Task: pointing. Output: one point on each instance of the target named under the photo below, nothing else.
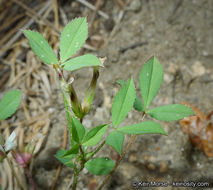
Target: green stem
(97, 150)
(75, 180)
(77, 171)
(121, 158)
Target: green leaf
(78, 130)
(87, 60)
(73, 150)
(171, 112)
(115, 139)
(100, 166)
(66, 160)
(121, 82)
(41, 47)
(146, 127)
(123, 102)
(9, 103)
(137, 104)
(151, 77)
(94, 135)
(73, 37)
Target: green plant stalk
(84, 160)
(76, 170)
(97, 150)
(121, 158)
(75, 180)
(69, 93)
(71, 100)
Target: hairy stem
(77, 171)
(121, 158)
(75, 180)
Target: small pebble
(151, 166)
(198, 69)
(132, 158)
(163, 167)
(135, 5)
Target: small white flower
(10, 144)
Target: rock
(135, 6)
(173, 68)
(163, 167)
(198, 69)
(132, 157)
(168, 78)
(101, 115)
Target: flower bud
(22, 158)
(91, 91)
(76, 105)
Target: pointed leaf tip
(123, 102)
(94, 135)
(73, 37)
(171, 112)
(78, 130)
(151, 77)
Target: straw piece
(89, 5)
(19, 33)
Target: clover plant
(84, 143)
